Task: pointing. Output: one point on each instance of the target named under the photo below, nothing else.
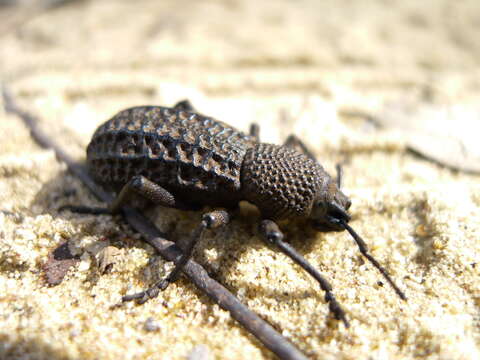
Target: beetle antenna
(364, 250)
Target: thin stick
(167, 249)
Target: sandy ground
(293, 67)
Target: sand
(293, 67)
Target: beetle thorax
(280, 181)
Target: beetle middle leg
(138, 185)
(210, 220)
(272, 234)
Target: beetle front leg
(339, 169)
(211, 220)
(273, 235)
(295, 142)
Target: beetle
(178, 158)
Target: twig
(167, 249)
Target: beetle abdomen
(174, 148)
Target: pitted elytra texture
(280, 181)
(172, 147)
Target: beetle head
(329, 213)
(330, 208)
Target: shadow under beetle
(178, 158)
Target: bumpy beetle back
(180, 150)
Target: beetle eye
(321, 206)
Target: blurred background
(343, 67)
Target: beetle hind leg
(81, 209)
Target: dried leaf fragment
(59, 261)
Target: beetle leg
(297, 144)
(138, 185)
(273, 235)
(255, 131)
(294, 142)
(80, 209)
(210, 220)
(339, 168)
(184, 105)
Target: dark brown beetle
(176, 157)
